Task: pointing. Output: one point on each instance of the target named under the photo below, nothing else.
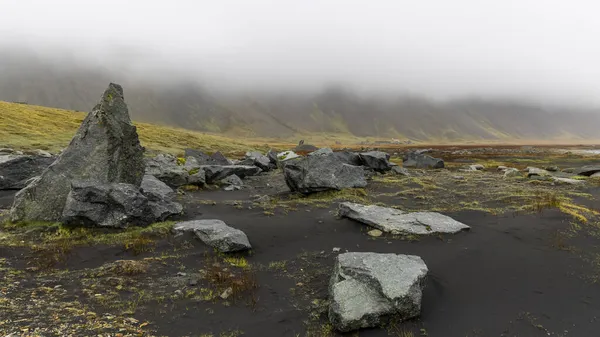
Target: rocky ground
(529, 265)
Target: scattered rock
(312, 174)
(419, 160)
(458, 177)
(214, 173)
(595, 175)
(16, 171)
(368, 288)
(512, 172)
(5, 151)
(215, 233)
(502, 168)
(118, 205)
(105, 148)
(286, 155)
(568, 181)
(551, 168)
(272, 155)
(376, 160)
(476, 167)
(259, 160)
(533, 171)
(587, 170)
(336, 249)
(394, 221)
(232, 180)
(322, 151)
(165, 168)
(349, 158)
(375, 232)
(152, 187)
(202, 158)
(400, 171)
(305, 148)
(226, 293)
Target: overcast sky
(541, 48)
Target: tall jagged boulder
(105, 149)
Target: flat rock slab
(587, 170)
(394, 221)
(368, 288)
(216, 233)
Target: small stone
(178, 293)
(228, 292)
(181, 274)
(375, 233)
(336, 249)
(193, 283)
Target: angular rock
(322, 173)
(512, 172)
(587, 170)
(165, 168)
(305, 148)
(349, 158)
(105, 148)
(376, 160)
(321, 151)
(152, 187)
(259, 160)
(232, 180)
(366, 289)
(476, 167)
(400, 171)
(502, 168)
(272, 157)
(214, 173)
(533, 171)
(118, 205)
(551, 168)
(394, 221)
(420, 160)
(595, 175)
(202, 158)
(286, 155)
(16, 171)
(215, 233)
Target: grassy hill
(26, 126)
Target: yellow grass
(27, 127)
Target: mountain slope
(183, 103)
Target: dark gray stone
(215, 233)
(154, 188)
(214, 173)
(166, 169)
(232, 180)
(420, 160)
(366, 289)
(272, 155)
(106, 148)
(321, 151)
(347, 157)
(17, 171)
(306, 148)
(118, 205)
(216, 158)
(587, 170)
(322, 173)
(376, 160)
(400, 171)
(257, 159)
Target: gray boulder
(367, 289)
(568, 181)
(259, 160)
(533, 171)
(376, 160)
(321, 151)
(400, 171)
(350, 158)
(151, 186)
(232, 180)
(118, 205)
(215, 233)
(105, 148)
(202, 158)
(17, 171)
(587, 170)
(214, 173)
(512, 173)
(165, 168)
(272, 155)
(322, 173)
(394, 221)
(420, 160)
(305, 148)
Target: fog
(537, 49)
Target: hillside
(335, 112)
(25, 126)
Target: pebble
(375, 233)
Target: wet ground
(513, 274)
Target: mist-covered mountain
(181, 102)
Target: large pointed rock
(367, 289)
(394, 221)
(106, 149)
